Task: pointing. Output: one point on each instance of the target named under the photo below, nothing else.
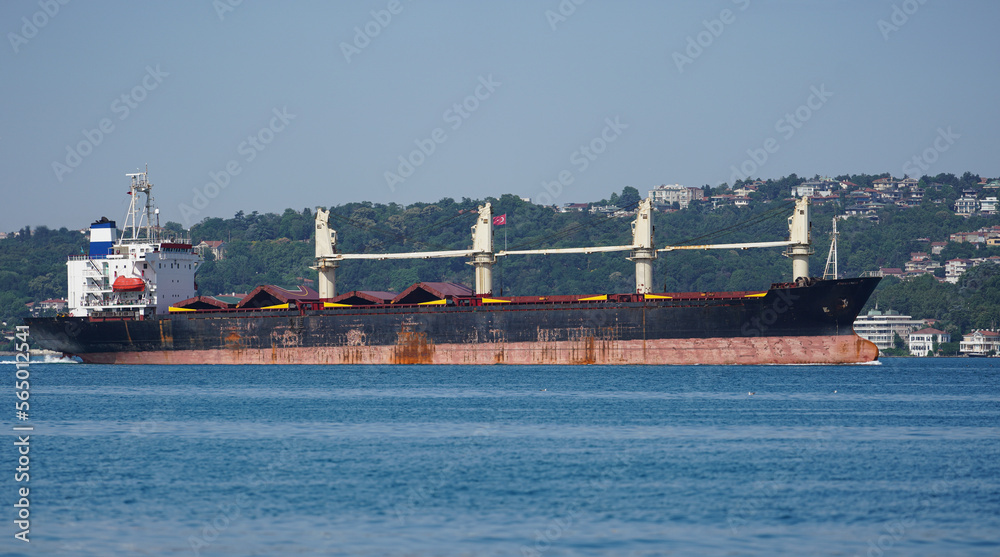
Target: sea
(899, 458)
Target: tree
(33, 264)
(629, 198)
(949, 348)
(174, 227)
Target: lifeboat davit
(128, 284)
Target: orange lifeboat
(128, 284)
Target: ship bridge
(131, 273)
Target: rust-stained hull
(788, 324)
(715, 351)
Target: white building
(954, 268)
(980, 343)
(667, 195)
(216, 247)
(965, 205)
(881, 327)
(988, 205)
(922, 342)
(804, 190)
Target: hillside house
(980, 343)
(892, 272)
(954, 268)
(216, 247)
(988, 205)
(922, 342)
(965, 205)
(976, 237)
(667, 195)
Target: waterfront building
(922, 342)
(980, 343)
(881, 327)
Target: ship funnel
(103, 235)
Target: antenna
(830, 272)
(139, 217)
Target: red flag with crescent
(500, 220)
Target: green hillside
(278, 249)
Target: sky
(262, 106)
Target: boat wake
(46, 359)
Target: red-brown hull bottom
(842, 349)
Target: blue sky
(267, 105)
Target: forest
(272, 248)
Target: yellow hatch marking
(602, 298)
(433, 303)
(658, 297)
(333, 305)
(761, 295)
(495, 301)
(173, 309)
(279, 306)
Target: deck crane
(482, 256)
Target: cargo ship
(133, 300)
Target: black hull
(622, 329)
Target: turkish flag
(500, 220)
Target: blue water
(903, 459)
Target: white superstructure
(135, 274)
